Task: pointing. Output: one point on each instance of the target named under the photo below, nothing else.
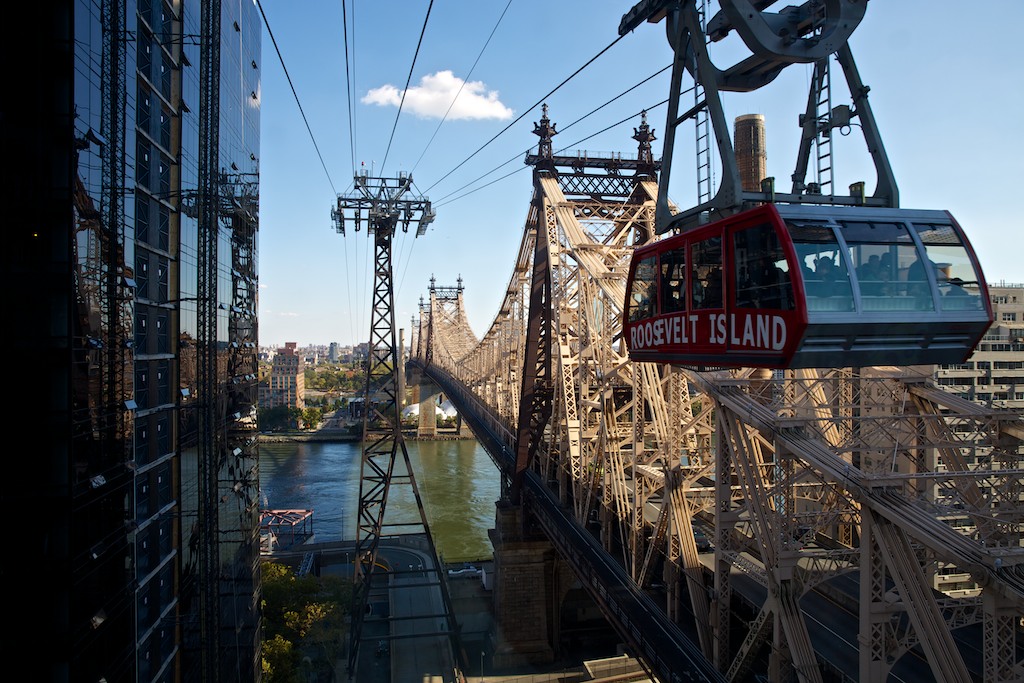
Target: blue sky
(947, 91)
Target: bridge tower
(383, 205)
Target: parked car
(703, 542)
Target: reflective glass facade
(101, 283)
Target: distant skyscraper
(130, 140)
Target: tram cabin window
(761, 273)
(955, 275)
(673, 281)
(706, 273)
(890, 272)
(644, 297)
(823, 266)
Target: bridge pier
(424, 394)
(528, 587)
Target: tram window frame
(956, 273)
(900, 282)
(672, 286)
(642, 304)
(823, 294)
(761, 275)
(706, 277)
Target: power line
(445, 117)
(465, 80)
(520, 117)
(351, 139)
(573, 144)
(295, 94)
(588, 114)
(348, 83)
(406, 90)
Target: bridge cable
(406, 90)
(441, 201)
(466, 80)
(295, 94)
(534, 106)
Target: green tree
(311, 417)
(271, 419)
(280, 661)
(304, 617)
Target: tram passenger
(713, 290)
(825, 276)
(870, 276)
(886, 275)
(917, 282)
(956, 287)
(771, 281)
(806, 270)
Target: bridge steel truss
(804, 475)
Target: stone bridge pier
(425, 394)
(530, 584)
(428, 396)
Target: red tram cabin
(791, 286)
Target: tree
(304, 617)
(311, 417)
(280, 661)
(271, 419)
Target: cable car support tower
(383, 205)
(810, 33)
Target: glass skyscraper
(130, 149)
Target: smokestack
(751, 150)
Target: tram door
(763, 316)
(707, 297)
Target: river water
(458, 484)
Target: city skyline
(939, 112)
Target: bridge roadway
(665, 649)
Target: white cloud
(431, 98)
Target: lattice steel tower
(384, 204)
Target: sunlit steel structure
(809, 480)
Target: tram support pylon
(382, 205)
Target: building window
(1009, 316)
(163, 338)
(162, 274)
(165, 228)
(142, 162)
(142, 331)
(142, 219)
(142, 109)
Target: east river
(457, 481)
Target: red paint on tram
(808, 286)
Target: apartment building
(287, 386)
(994, 374)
